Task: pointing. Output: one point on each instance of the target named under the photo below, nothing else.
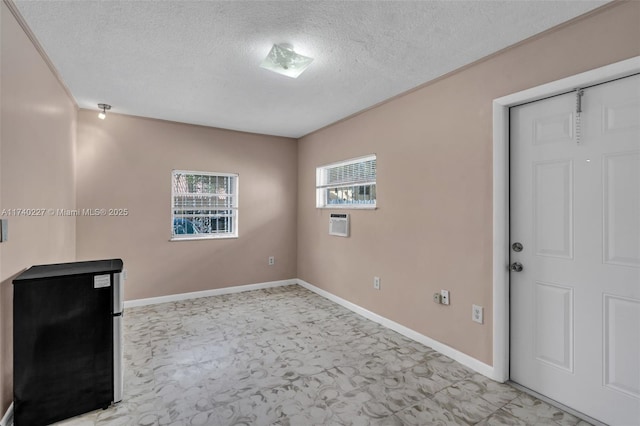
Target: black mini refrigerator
(67, 340)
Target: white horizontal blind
(350, 183)
(204, 204)
(363, 172)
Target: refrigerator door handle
(118, 292)
(118, 371)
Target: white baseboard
(462, 358)
(7, 419)
(206, 293)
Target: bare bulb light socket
(103, 114)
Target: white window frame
(321, 185)
(234, 207)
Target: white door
(575, 209)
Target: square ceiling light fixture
(283, 60)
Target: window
(203, 205)
(347, 184)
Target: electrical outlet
(376, 283)
(477, 314)
(437, 298)
(444, 297)
(272, 260)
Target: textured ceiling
(198, 61)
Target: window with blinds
(203, 205)
(347, 184)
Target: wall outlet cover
(437, 298)
(444, 297)
(272, 260)
(477, 314)
(376, 283)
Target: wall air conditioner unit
(339, 224)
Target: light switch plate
(4, 230)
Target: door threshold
(556, 404)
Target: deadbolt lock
(517, 247)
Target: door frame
(501, 107)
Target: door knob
(515, 267)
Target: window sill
(350, 206)
(208, 237)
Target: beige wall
(37, 141)
(433, 226)
(126, 162)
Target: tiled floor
(287, 356)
